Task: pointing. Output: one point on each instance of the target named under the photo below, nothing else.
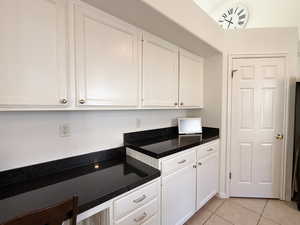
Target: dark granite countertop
(21, 191)
(160, 143)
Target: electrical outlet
(64, 130)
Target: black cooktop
(159, 143)
(94, 182)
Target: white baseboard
(223, 195)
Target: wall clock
(234, 17)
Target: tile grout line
(214, 213)
(253, 211)
(261, 215)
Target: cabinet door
(191, 80)
(107, 59)
(160, 72)
(179, 196)
(207, 179)
(33, 41)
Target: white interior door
(257, 119)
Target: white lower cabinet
(154, 220)
(98, 219)
(132, 201)
(189, 180)
(179, 196)
(141, 215)
(138, 207)
(207, 179)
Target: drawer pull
(209, 150)
(182, 161)
(141, 218)
(140, 199)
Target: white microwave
(189, 126)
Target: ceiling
(263, 13)
(210, 5)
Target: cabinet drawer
(181, 161)
(207, 150)
(141, 215)
(152, 221)
(130, 202)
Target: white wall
(212, 111)
(33, 137)
(187, 14)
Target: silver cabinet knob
(175, 103)
(200, 164)
(181, 103)
(64, 101)
(82, 101)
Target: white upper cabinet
(191, 80)
(107, 65)
(33, 55)
(160, 73)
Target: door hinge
(230, 175)
(232, 73)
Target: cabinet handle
(182, 161)
(209, 150)
(200, 164)
(82, 101)
(141, 218)
(194, 166)
(181, 103)
(175, 103)
(140, 199)
(64, 101)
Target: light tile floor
(243, 211)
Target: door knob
(181, 103)
(175, 103)
(279, 136)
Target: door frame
(286, 97)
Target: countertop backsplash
(29, 138)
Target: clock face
(235, 17)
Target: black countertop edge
(170, 152)
(37, 171)
(159, 143)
